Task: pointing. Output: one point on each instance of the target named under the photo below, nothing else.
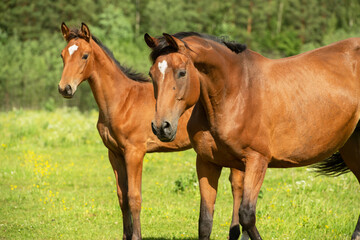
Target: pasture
(56, 183)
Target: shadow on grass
(157, 238)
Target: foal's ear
(150, 41)
(173, 41)
(65, 30)
(85, 30)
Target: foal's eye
(85, 56)
(181, 73)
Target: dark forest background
(31, 41)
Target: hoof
(355, 236)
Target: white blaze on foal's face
(162, 67)
(72, 49)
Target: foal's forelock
(75, 33)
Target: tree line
(31, 42)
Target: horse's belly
(307, 146)
(310, 124)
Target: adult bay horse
(252, 112)
(126, 107)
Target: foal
(126, 106)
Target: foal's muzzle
(165, 132)
(66, 92)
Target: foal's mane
(163, 47)
(138, 77)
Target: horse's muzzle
(66, 92)
(165, 133)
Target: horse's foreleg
(236, 179)
(134, 163)
(350, 153)
(118, 165)
(208, 175)
(255, 169)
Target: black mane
(163, 48)
(76, 33)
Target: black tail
(333, 166)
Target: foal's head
(176, 83)
(77, 57)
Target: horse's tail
(333, 166)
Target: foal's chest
(108, 137)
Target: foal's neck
(110, 86)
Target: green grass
(57, 183)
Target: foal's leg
(118, 165)
(236, 179)
(350, 153)
(255, 169)
(134, 163)
(208, 175)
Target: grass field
(57, 183)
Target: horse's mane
(163, 47)
(76, 33)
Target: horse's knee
(247, 216)
(134, 201)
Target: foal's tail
(333, 166)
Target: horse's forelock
(163, 47)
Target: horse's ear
(85, 30)
(173, 41)
(65, 30)
(150, 41)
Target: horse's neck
(221, 83)
(208, 103)
(110, 86)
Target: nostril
(68, 89)
(166, 124)
(59, 89)
(153, 128)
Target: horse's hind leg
(236, 179)
(118, 165)
(350, 153)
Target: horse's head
(77, 57)
(176, 83)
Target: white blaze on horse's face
(162, 67)
(72, 49)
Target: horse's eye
(85, 56)
(182, 73)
